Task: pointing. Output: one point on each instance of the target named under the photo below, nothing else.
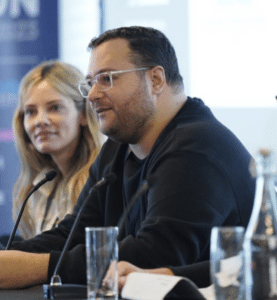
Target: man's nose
(94, 93)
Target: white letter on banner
(31, 8)
(3, 6)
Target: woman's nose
(41, 118)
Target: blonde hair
(64, 78)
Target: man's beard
(132, 125)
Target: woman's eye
(55, 107)
(28, 112)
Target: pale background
(226, 50)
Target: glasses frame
(94, 80)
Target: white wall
(232, 64)
(232, 45)
(79, 23)
(255, 127)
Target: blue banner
(28, 36)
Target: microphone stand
(146, 184)
(48, 177)
(57, 290)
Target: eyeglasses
(103, 80)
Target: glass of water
(227, 262)
(102, 255)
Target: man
(200, 167)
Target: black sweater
(202, 180)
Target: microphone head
(110, 178)
(50, 175)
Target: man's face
(125, 112)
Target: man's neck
(166, 112)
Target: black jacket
(202, 180)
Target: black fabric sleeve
(190, 196)
(199, 273)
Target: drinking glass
(102, 255)
(227, 262)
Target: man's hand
(125, 268)
(22, 269)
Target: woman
(54, 128)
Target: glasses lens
(84, 89)
(104, 81)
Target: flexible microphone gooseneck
(50, 175)
(55, 290)
(146, 184)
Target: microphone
(50, 175)
(55, 290)
(146, 184)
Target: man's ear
(158, 80)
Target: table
(32, 293)
(36, 293)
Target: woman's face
(52, 121)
